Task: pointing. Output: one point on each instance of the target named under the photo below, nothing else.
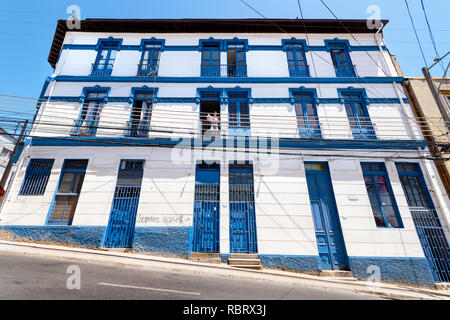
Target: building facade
(231, 136)
(434, 128)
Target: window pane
(66, 183)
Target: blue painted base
(291, 262)
(174, 241)
(413, 271)
(164, 240)
(86, 236)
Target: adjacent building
(291, 141)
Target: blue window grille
(141, 114)
(297, 64)
(122, 219)
(210, 59)
(382, 201)
(358, 116)
(149, 63)
(107, 51)
(87, 122)
(36, 177)
(307, 119)
(236, 62)
(65, 201)
(238, 111)
(426, 220)
(341, 60)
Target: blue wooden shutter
(36, 177)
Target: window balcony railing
(137, 128)
(101, 69)
(299, 70)
(347, 71)
(227, 70)
(84, 128)
(147, 70)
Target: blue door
(358, 116)
(206, 208)
(242, 209)
(330, 242)
(426, 221)
(122, 219)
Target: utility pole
(436, 95)
(9, 165)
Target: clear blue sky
(27, 27)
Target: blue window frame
(107, 51)
(306, 113)
(381, 197)
(149, 63)
(295, 53)
(36, 177)
(66, 197)
(358, 116)
(238, 111)
(339, 51)
(87, 122)
(141, 113)
(210, 58)
(236, 62)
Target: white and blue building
(315, 161)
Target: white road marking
(148, 288)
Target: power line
(431, 34)
(415, 32)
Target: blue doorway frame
(242, 209)
(122, 219)
(428, 226)
(330, 241)
(206, 208)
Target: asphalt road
(38, 277)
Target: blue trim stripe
(198, 47)
(244, 141)
(159, 79)
(255, 100)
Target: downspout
(394, 84)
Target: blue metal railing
(137, 128)
(299, 70)
(101, 69)
(84, 128)
(147, 70)
(227, 70)
(348, 71)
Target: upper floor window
(87, 122)
(358, 116)
(107, 51)
(36, 177)
(236, 63)
(381, 196)
(295, 52)
(141, 114)
(210, 59)
(238, 111)
(340, 56)
(151, 50)
(306, 112)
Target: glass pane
(66, 183)
(78, 183)
(315, 166)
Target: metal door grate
(119, 233)
(206, 218)
(433, 241)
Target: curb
(199, 268)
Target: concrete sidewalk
(390, 291)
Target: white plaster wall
(187, 63)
